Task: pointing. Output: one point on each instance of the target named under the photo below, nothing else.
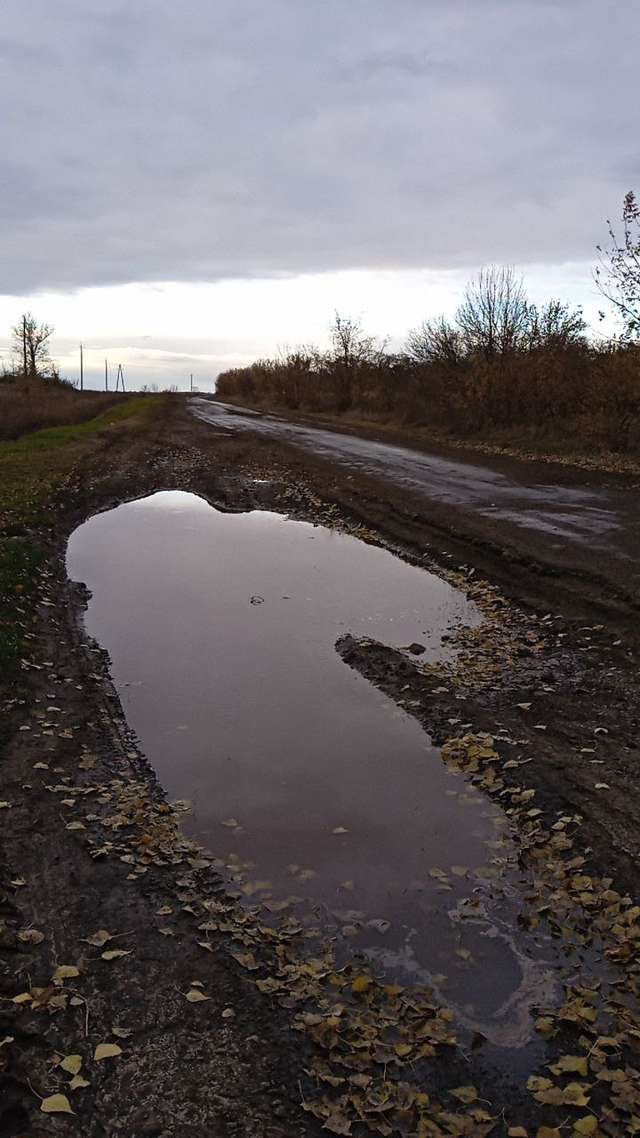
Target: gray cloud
(201, 140)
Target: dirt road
(575, 521)
(541, 714)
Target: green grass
(32, 468)
(20, 560)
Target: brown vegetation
(32, 403)
(502, 368)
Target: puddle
(310, 785)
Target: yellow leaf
(195, 997)
(548, 1132)
(517, 1132)
(65, 972)
(107, 1051)
(23, 998)
(31, 936)
(574, 1094)
(78, 1082)
(465, 1094)
(586, 1125)
(570, 1063)
(56, 1104)
(115, 953)
(361, 984)
(71, 1063)
(99, 938)
(538, 1083)
(402, 1049)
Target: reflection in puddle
(319, 795)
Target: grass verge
(31, 469)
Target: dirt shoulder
(89, 843)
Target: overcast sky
(187, 184)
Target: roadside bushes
(502, 368)
(31, 403)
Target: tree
(618, 274)
(555, 325)
(31, 341)
(436, 341)
(493, 316)
(352, 350)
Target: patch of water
(313, 788)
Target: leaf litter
(371, 1038)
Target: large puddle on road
(315, 790)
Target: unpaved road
(567, 519)
(559, 695)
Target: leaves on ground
(106, 1051)
(56, 1104)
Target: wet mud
(534, 707)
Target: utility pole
(24, 346)
(106, 376)
(191, 382)
(81, 369)
(119, 377)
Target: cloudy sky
(187, 185)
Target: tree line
(502, 365)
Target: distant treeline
(501, 367)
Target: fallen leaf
(465, 1094)
(99, 938)
(71, 1063)
(115, 953)
(121, 1032)
(571, 1063)
(586, 1125)
(339, 830)
(77, 1082)
(66, 972)
(195, 997)
(56, 1104)
(30, 936)
(361, 984)
(232, 823)
(106, 1051)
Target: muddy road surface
(567, 519)
(403, 896)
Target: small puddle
(318, 794)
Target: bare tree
(436, 341)
(351, 345)
(31, 341)
(618, 275)
(494, 313)
(555, 325)
(353, 349)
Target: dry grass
(29, 405)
